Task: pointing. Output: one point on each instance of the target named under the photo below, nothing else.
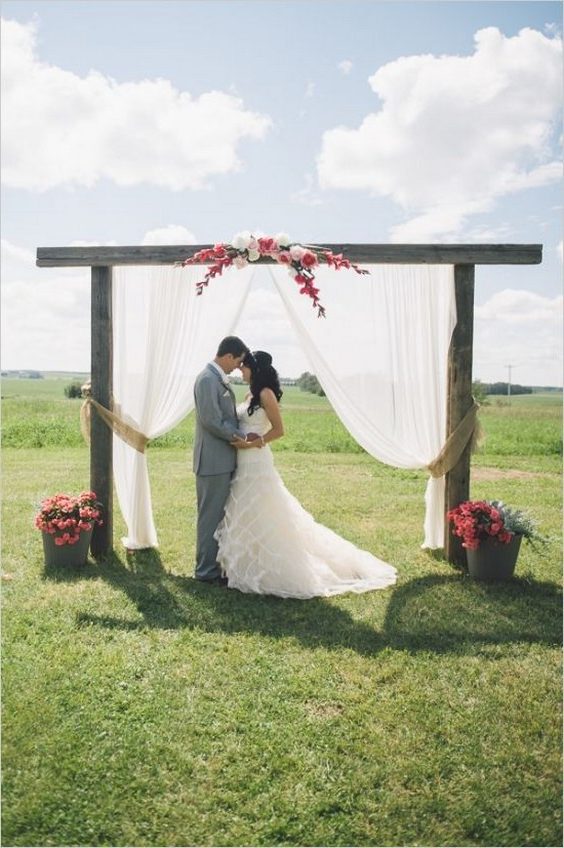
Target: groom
(214, 455)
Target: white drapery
(380, 355)
(163, 336)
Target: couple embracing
(253, 535)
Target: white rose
(253, 255)
(283, 239)
(297, 251)
(241, 240)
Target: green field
(141, 708)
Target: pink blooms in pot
(476, 521)
(65, 517)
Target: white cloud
(345, 66)
(521, 328)
(46, 320)
(518, 306)
(454, 132)
(62, 129)
(171, 234)
(306, 195)
(559, 250)
(18, 254)
(83, 243)
(310, 89)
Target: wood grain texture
(430, 254)
(459, 400)
(101, 436)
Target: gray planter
(493, 561)
(66, 555)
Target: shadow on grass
(438, 613)
(454, 613)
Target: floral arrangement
(300, 259)
(475, 521)
(65, 516)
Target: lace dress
(270, 545)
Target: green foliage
(73, 390)
(309, 383)
(479, 392)
(517, 521)
(503, 389)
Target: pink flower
(309, 259)
(65, 517)
(267, 245)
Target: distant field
(525, 429)
(52, 387)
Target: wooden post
(459, 400)
(101, 441)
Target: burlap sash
(468, 430)
(122, 428)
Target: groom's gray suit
(214, 462)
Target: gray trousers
(212, 491)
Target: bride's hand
(242, 444)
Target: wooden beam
(101, 437)
(430, 254)
(459, 400)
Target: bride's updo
(263, 376)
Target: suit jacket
(216, 424)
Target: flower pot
(493, 561)
(66, 555)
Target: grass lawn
(142, 708)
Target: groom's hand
(248, 442)
(240, 443)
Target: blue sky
(332, 121)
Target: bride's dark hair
(263, 376)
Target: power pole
(509, 367)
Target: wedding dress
(270, 545)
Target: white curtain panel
(381, 357)
(163, 336)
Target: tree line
(309, 383)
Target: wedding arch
(452, 464)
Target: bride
(268, 543)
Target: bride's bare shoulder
(267, 397)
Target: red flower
(475, 521)
(309, 259)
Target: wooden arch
(464, 257)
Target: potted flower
(491, 532)
(66, 523)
